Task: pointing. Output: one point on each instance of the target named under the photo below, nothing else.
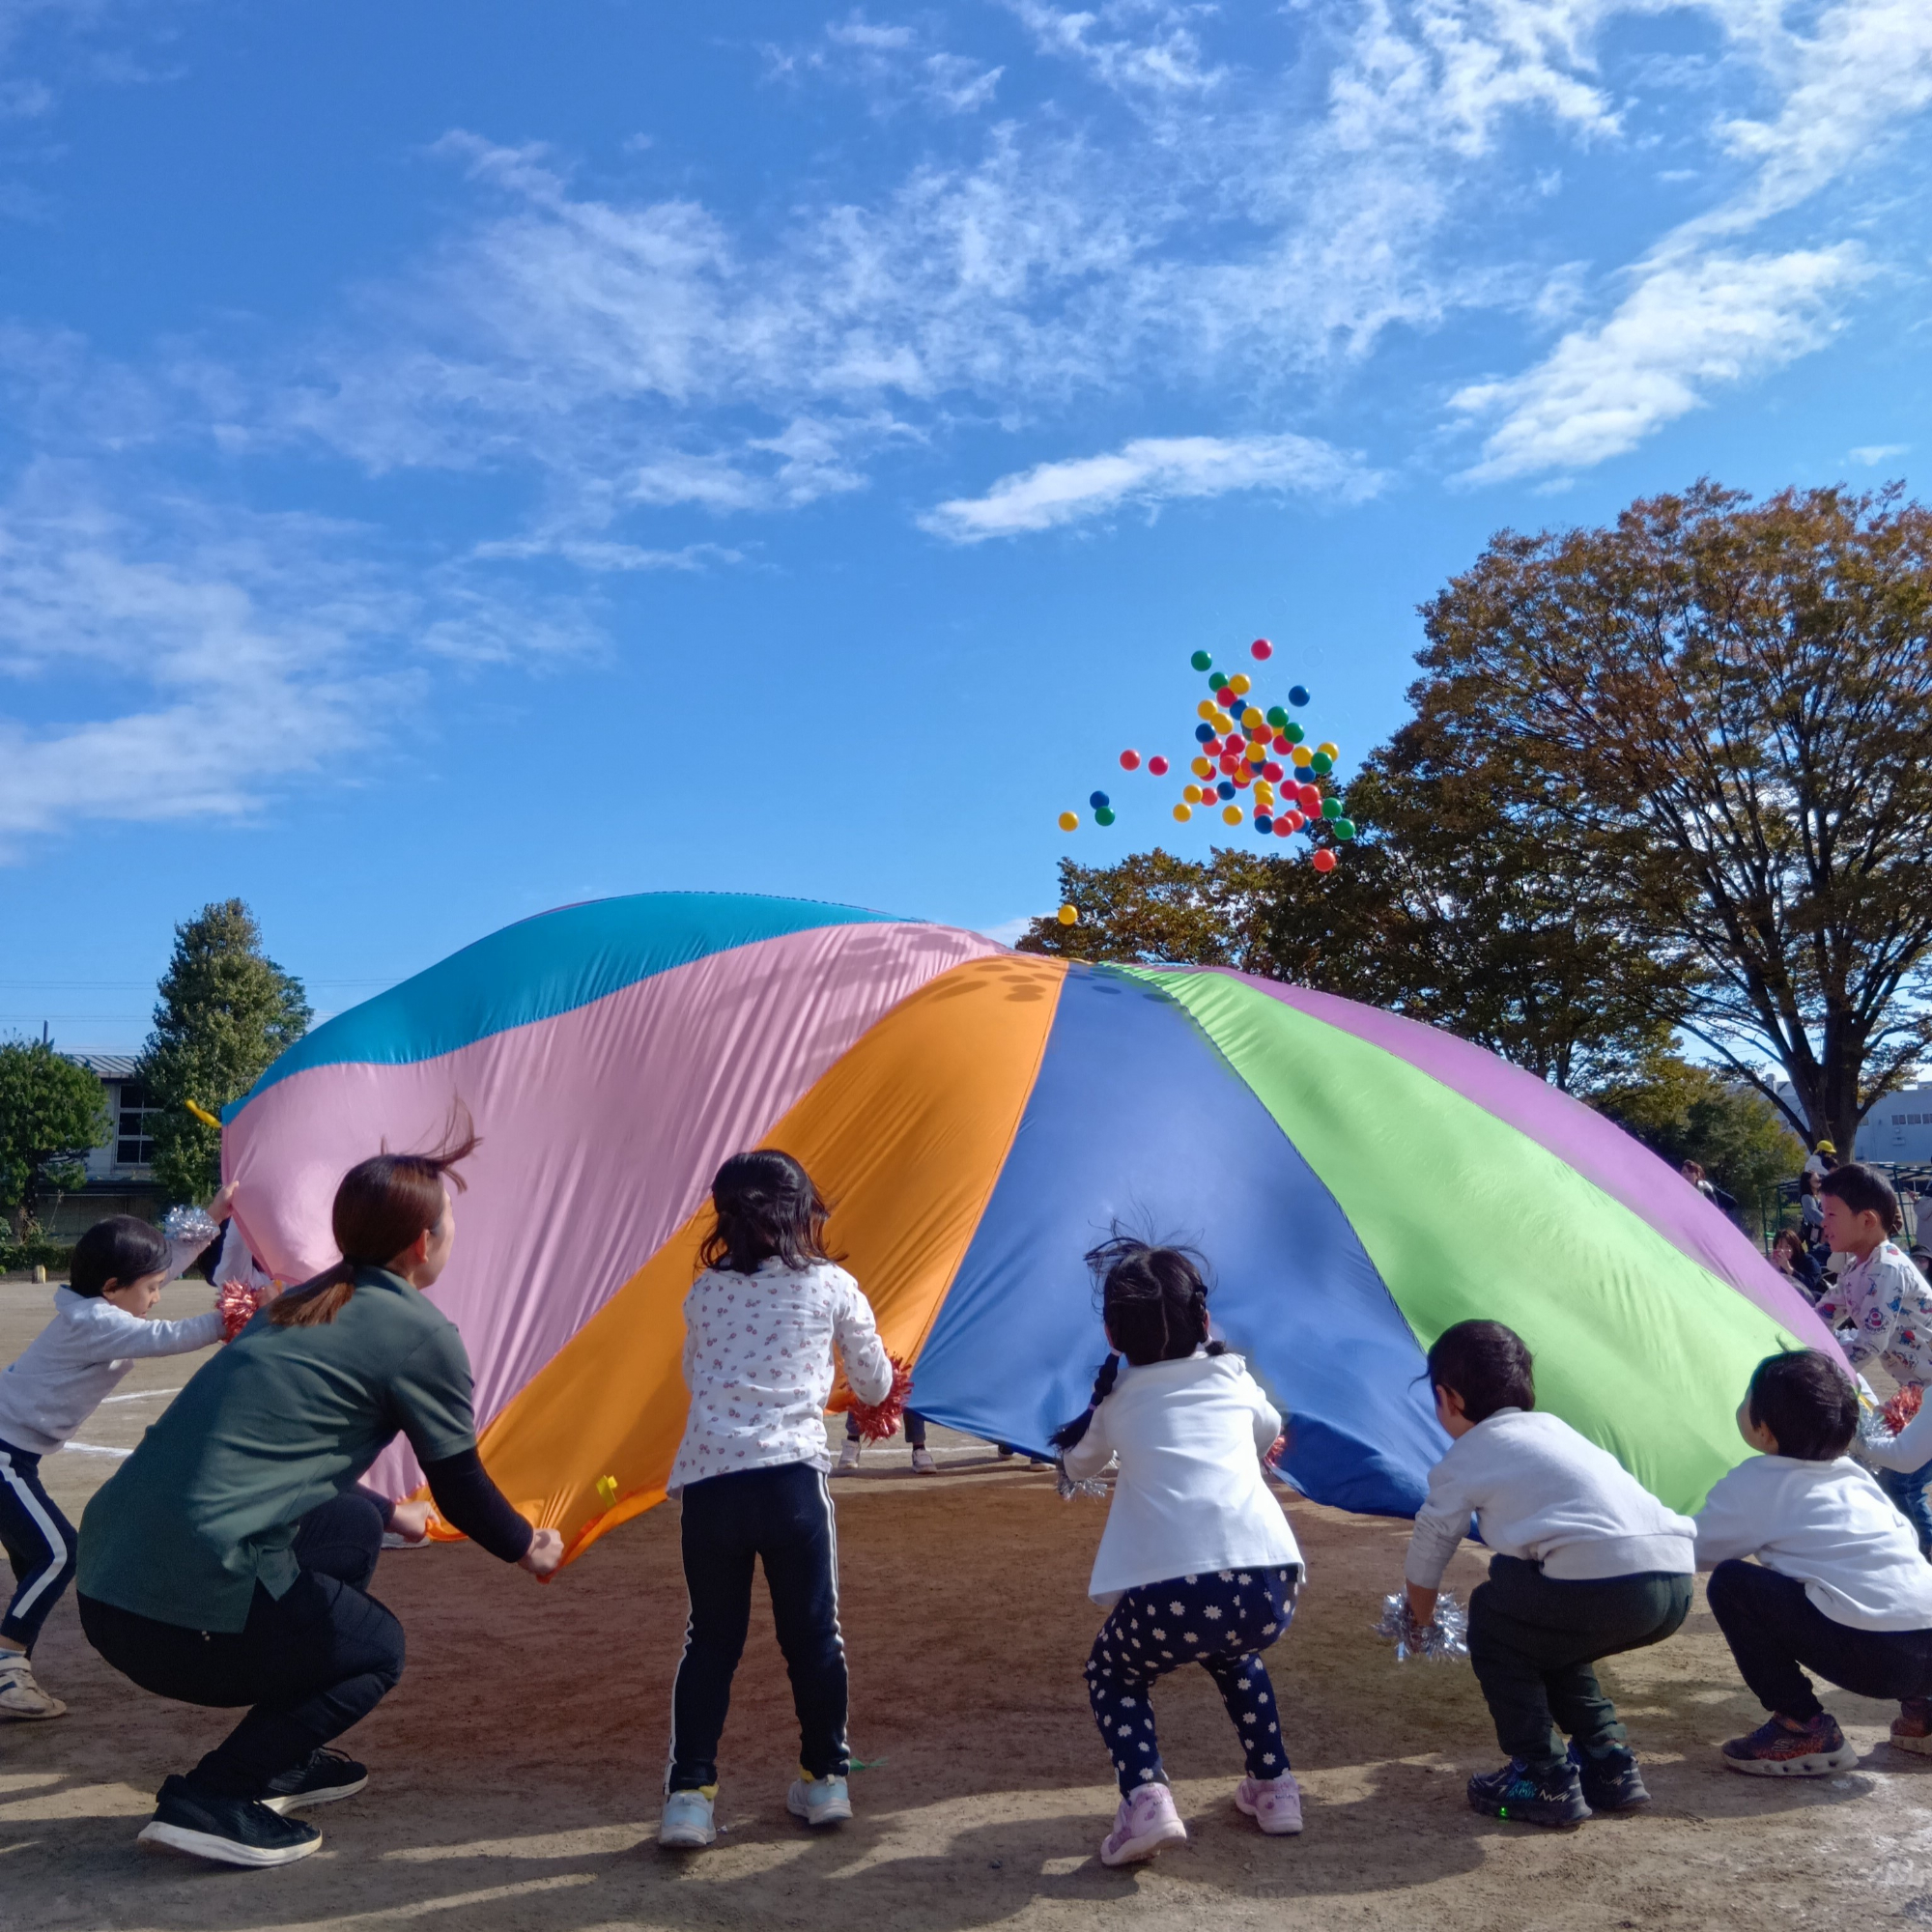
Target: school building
(1899, 1128)
(121, 1172)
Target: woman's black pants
(311, 1661)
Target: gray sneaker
(819, 1801)
(19, 1695)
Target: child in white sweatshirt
(1587, 1563)
(1839, 1588)
(101, 1328)
(1197, 1563)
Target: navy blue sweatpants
(40, 1542)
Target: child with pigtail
(1197, 1564)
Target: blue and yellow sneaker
(1554, 1797)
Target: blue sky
(461, 459)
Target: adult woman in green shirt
(191, 1580)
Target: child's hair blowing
(766, 1207)
(1864, 1192)
(120, 1249)
(1154, 1303)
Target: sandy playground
(515, 1772)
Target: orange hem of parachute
(907, 1134)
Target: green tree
(1718, 713)
(1154, 909)
(1685, 1111)
(225, 1011)
(52, 1115)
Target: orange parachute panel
(905, 1136)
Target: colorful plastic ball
(1069, 915)
(1252, 720)
(1223, 723)
(1257, 755)
(1183, 814)
(1225, 789)
(1130, 761)
(1262, 822)
(1309, 798)
(1262, 649)
(1298, 695)
(1158, 765)
(1240, 780)
(1201, 661)
(1331, 807)
(1273, 772)
(1333, 750)
(1286, 828)
(1204, 731)
(1202, 768)
(1216, 682)
(1343, 828)
(1206, 710)
(1320, 764)
(1293, 732)
(1103, 815)
(1191, 793)
(1231, 814)
(1069, 821)
(1276, 716)
(1099, 801)
(1302, 756)
(1212, 746)
(1238, 683)
(1323, 859)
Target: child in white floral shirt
(761, 1324)
(1885, 1303)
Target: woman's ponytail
(1070, 1433)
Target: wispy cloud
(1871, 454)
(1149, 471)
(896, 63)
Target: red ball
(1130, 761)
(1211, 747)
(1309, 798)
(1230, 763)
(1285, 827)
(1281, 746)
(1233, 741)
(1261, 648)
(1273, 772)
(1323, 859)
(1158, 765)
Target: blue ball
(1298, 694)
(1263, 823)
(1226, 787)
(1099, 801)
(1202, 732)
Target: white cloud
(1688, 324)
(1135, 47)
(894, 63)
(1871, 454)
(1148, 471)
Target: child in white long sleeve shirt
(100, 1329)
(763, 1326)
(1587, 1563)
(1839, 1588)
(1197, 1563)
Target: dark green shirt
(280, 1420)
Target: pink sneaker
(1144, 1823)
(1274, 1804)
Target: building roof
(109, 1065)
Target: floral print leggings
(1222, 1622)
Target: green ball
(1104, 816)
(1293, 732)
(1331, 807)
(1344, 828)
(1219, 678)
(1200, 659)
(1276, 716)
(1321, 764)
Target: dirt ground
(515, 1773)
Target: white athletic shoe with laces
(819, 1801)
(848, 1456)
(19, 1695)
(687, 1822)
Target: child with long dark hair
(1197, 1564)
(762, 1323)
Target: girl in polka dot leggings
(1197, 1564)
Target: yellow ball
(1258, 755)
(1205, 709)
(1303, 755)
(1203, 768)
(1069, 821)
(1191, 793)
(1069, 915)
(1223, 723)
(1238, 683)
(1231, 814)
(1182, 813)
(1330, 751)
(1252, 720)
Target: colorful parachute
(979, 1119)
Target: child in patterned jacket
(1197, 1564)
(1885, 1303)
(761, 1324)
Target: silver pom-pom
(1443, 1639)
(1069, 1489)
(188, 1232)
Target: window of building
(134, 1133)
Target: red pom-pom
(1902, 1407)
(237, 1304)
(878, 1420)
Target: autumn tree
(1720, 713)
(225, 1011)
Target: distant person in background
(1692, 1170)
(1810, 1209)
(1791, 1257)
(923, 1464)
(1824, 1158)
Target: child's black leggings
(782, 1519)
(1776, 1632)
(39, 1544)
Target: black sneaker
(1553, 1798)
(230, 1830)
(326, 1777)
(1612, 1782)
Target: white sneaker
(923, 1464)
(819, 1801)
(686, 1821)
(19, 1695)
(848, 1456)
